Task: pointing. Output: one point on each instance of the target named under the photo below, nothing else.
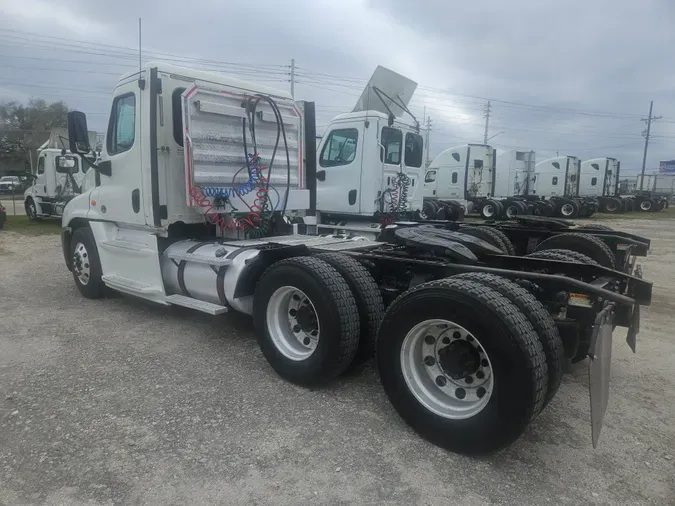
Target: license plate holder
(600, 354)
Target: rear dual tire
(316, 316)
(428, 384)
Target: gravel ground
(119, 402)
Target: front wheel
(462, 365)
(31, 210)
(86, 264)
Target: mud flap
(598, 368)
(634, 327)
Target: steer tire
(570, 256)
(84, 255)
(487, 234)
(368, 301)
(514, 355)
(540, 319)
(336, 312)
(587, 244)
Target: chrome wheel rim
(489, 210)
(81, 266)
(32, 210)
(447, 369)
(292, 323)
(645, 205)
(567, 210)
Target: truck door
(338, 175)
(40, 187)
(121, 195)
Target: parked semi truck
(58, 177)
(208, 196)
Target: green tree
(24, 128)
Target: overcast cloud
(605, 58)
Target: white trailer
(206, 197)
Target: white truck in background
(505, 185)
(457, 179)
(59, 176)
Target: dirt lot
(115, 401)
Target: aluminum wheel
(489, 210)
(292, 323)
(567, 209)
(511, 212)
(645, 205)
(447, 369)
(81, 263)
(31, 210)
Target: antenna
(141, 81)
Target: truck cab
(58, 178)
(463, 173)
(367, 163)
(598, 177)
(514, 171)
(556, 177)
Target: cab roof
(210, 77)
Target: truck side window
(413, 150)
(430, 176)
(122, 127)
(392, 138)
(177, 114)
(595, 166)
(555, 180)
(340, 148)
(556, 165)
(41, 165)
(594, 181)
(454, 177)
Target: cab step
(129, 285)
(199, 305)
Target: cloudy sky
(573, 76)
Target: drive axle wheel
(447, 369)
(462, 365)
(306, 320)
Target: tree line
(24, 128)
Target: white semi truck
(207, 196)
(505, 185)
(59, 176)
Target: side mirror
(66, 164)
(78, 134)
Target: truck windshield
(413, 150)
(340, 148)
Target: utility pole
(648, 120)
(487, 122)
(293, 77)
(427, 141)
